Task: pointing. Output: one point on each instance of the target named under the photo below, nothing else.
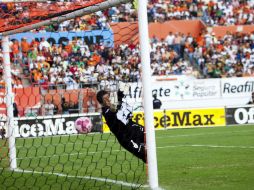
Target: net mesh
(54, 87)
(15, 15)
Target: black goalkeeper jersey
(130, 135)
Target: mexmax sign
(51, 126)
(89, 37)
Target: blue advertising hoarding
(90, 37)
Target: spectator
(252, 99)
(48, 108)
(25, 46)
(156, 102)
(73, 107)
(2, 133)
(44, 44)
(2, 82)
(65, 106)
(15, 109)
(15, 47)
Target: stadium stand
(77, 64)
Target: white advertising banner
(237, 87)
(43, 126)
(187, 93)
(178, 90)
(206, 89)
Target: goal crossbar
(21, 1)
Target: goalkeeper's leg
(136, 143)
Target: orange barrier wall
(31, 98)
(125, 32)
(221, 31)
(28, 97)
(161, 30)
(88, 95)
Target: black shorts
(134, 141)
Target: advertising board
(178, 90)
(89, 37)
(240, 115)
(189, 118)
(51, 125)
(195, 93)
(237, 87)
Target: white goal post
(146, 76)
(9, 102)
(146, 82)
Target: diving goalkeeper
(118, 117)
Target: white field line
(58, 136)
(96, 133)
(166, 136)
(221, 166)
(158, 147)
(200, 134)
(69, 143)
(206, 145)
(72, 154)
(169, 146)
(106, 180)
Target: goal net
(61, 54)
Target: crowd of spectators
(80, 63)
(213, 57)
(228, 56)
(77, 64)
(211, 12)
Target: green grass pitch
(218, 158)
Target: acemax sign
(185, 118)
(51, 126)
(209, 117)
